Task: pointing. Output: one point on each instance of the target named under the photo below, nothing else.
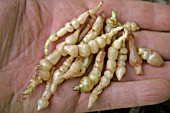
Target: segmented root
(86, 40)
(108, 75)
(88, 82)
(93, 46)
(96, 29)
(58, 74)
(40, 74)
(121, 62)
(119, 44)
(84, 50)
(73, 39)
(134, 59)
(111, 22)
(78, 68)
(70, 26)
(43, 101)
(153, 58)
(87, 28)
(52, 84)
(131, 26)
(116, 51)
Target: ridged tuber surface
(131, 26)
(121, 62)
(134, 59)
(108, 75)
(87, 28)
(111, 22)
(70, 26)
(153, 58)
(43, 101)
(96, 29)
(88, 82)
(86, 40)
(93, 46)
(42, 71)
(78, 68)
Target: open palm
(25, 26)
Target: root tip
(76, 88)
(46, 52)
(138, 70)
(113, 14)
(27, 91)
(101, 2)
(42, 104)
(119, 77)
(38, 108)
(89, 106)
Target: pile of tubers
(94, 38)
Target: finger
(158, 41)
(129, 94)
(149, 72)
(148, 15)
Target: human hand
(25, 28)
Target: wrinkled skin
(25, 26)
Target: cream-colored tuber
(134, 59)
(96, 29)
(70, 26)
(86, 40)
(121, 62)
(111, 22)
(108, 75)
(131, 26)
(43, 101)
(93, 46)
(78, 68)
(153, 58)
(88, 82)
(42, 71)
(87, 28)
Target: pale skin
(25, 27)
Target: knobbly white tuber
(108, 75)
(78, 68)
(58, 74)
(87, 28)
(121, 62)
(131, 26)
(51, 85)
(111, 22)
(93, 46)
(114, 50)
(88, 82)
(42, 71)
(96, 29)
(116, 45)
(70, 26)
(43, 101)
(153, 58)
(86, 40)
